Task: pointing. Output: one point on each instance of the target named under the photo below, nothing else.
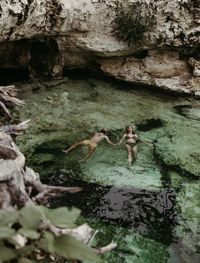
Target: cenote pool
(151, 209)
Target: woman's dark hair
(129, 126)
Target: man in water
(91, 143)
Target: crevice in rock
(78, 73)
(140, 54)
(189, 52)
(93, 70)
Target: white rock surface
(84, 33)
(160, 68)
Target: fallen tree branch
(16, 129)
(8, 98)
(2, 105)
(106, 249)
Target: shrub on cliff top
(195, 3)
(132, 21)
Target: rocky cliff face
(43, 37)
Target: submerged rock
(178, 147)
(110, 166)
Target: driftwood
(8, 98)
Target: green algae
(176, 179)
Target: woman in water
(131, 139)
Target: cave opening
(44, 55)
(10, 75)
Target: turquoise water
(152, 208)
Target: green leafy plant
(37, 231)
(132, 21)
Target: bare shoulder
(96, 134)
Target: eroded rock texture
(44, 37)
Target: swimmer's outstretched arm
(109, 141)
(122, 139)
(148, 143)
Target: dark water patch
(188, 111)
(149, 124)
(50, 148)
(165, 178)
(180, 108)
(150, 213)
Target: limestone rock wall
(46, 36)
